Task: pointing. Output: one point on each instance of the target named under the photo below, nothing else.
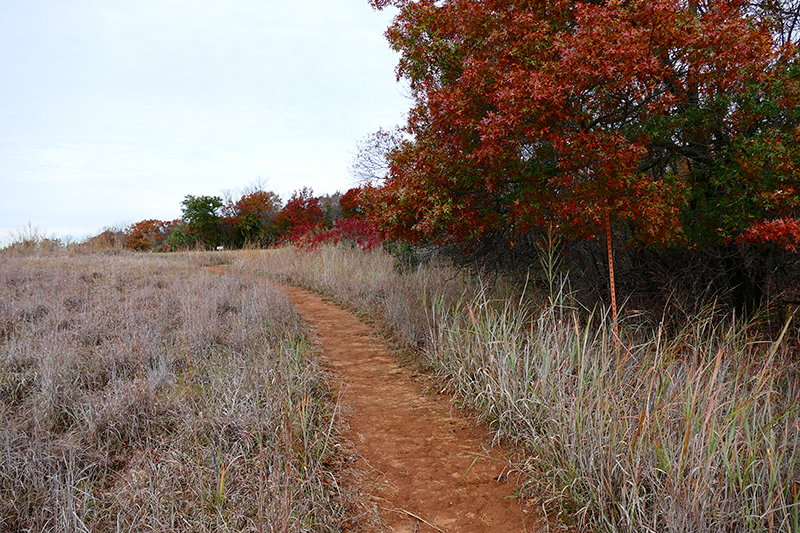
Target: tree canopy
(147, 234)
(202, 217)
(301, 214)
(257, 219)
(253, 216)
(678, 119)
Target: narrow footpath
(417, 464)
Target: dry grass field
(687, 428)
(141, 393)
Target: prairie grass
(693, 430)
(368, 282)
(141, 393)
(696, 432)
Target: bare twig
(412, 515)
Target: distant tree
(253, 216)
(202, 217)
(301, 215)
(180, 238)
(108, 239)
(147, 234)
(331, 208)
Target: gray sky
(111, 111)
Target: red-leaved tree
(351, 203)
(147, 234)
(674, 122)
(300, 217)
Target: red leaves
(355, 231)
(301, 214)
(555, 111)
(783, 232)
(351, 203)
(302, 222)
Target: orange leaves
(783, 232)
(147, 234)
(264, 205)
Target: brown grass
(693, 430)
(140, 393)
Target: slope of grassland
(141, 393)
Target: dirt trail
(417, 462)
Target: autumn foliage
(258, 218)
(253, 217)
(147, 234)
(301, 215)
(351, 203)
(783, 232)
(678, 118)
(357, 232)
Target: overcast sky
(111, 111)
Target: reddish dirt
(414, 461)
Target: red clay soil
(414, 461)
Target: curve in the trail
(420, 464)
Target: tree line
(257, 219)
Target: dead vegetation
(682, 428)
(140, 393)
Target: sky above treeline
(112, 111)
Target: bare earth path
(420, 465)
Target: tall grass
(140, 393)
(369, 282)
(696, 430)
